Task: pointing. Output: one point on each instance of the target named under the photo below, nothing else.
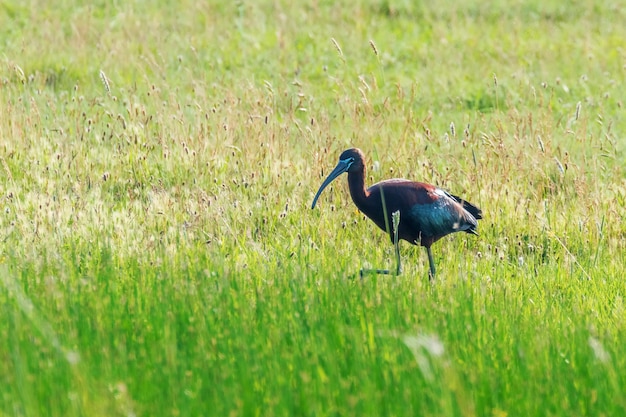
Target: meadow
(158, 253)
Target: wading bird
(427, 213)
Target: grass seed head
(338, 48)
(559, 166)
(105, 82)
(540, 142)
(373, 45)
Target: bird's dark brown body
(427, 213)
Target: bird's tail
(476, 213)
(473, 210)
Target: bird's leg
(396, 242)
(395, 220)
(386, 271)
(399, 269)
(431, 261)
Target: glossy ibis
(427, 213)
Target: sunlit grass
(159, 255)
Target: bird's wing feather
(426, 212)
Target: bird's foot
(363, 272)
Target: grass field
(158, 253)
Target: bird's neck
(356, 182)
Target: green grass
(159, 256)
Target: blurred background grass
(159, 256)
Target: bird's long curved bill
(339, 169)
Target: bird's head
(351, 160)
